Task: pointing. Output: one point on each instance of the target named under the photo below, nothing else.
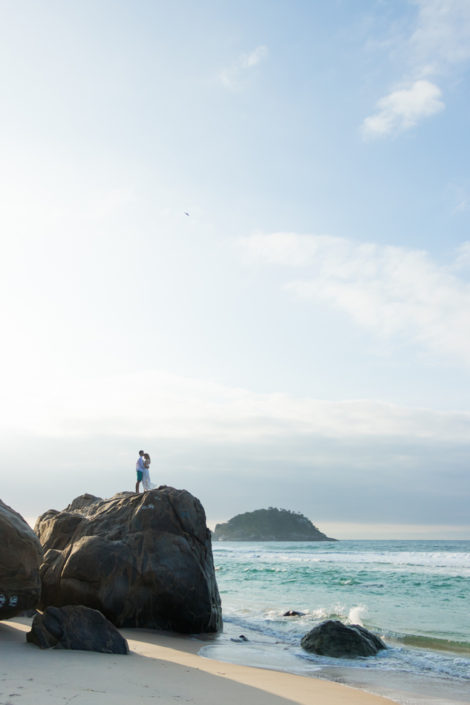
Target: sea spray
(356, 615)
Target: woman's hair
(147, 456)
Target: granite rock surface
(333, 638)
(20, 558)
(76, 627)
(143, 560)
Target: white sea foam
(453, 564)
(395, 658)
(399, 659)
(414, 595)
(357, 614)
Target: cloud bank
(350, 461)
(159, 404)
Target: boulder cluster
(143, 560)
(135, 560)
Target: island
(269, 525)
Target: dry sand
(160, 669)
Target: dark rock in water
(269, 525)
(20, 558)
(242, 638)
(76, 627)
(333, 638)
(143, 560)
(293, 613)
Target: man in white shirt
(139, 466)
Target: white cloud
(234, 76)
(461, 198)
(441, 39)
(439, 43)
(254, 57)
(404, 108)
(156, 404)
(393, 291)
(462, 260)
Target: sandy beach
(160, 668)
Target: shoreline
(161, 667)
(398, 684)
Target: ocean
(414, 594)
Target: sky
(236, 235)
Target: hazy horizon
(237, 235)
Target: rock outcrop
(20, 558)
(269, 525)
(143, 560)
(333, 638)
(76, 627)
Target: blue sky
(301, 338)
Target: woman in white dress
(146, 482)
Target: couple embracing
(143, 475)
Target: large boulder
(333, 638)
(143, 560)
(20, 558)
(76, 627)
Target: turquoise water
(415, 594)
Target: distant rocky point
(269, 525)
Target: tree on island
(270, 524)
